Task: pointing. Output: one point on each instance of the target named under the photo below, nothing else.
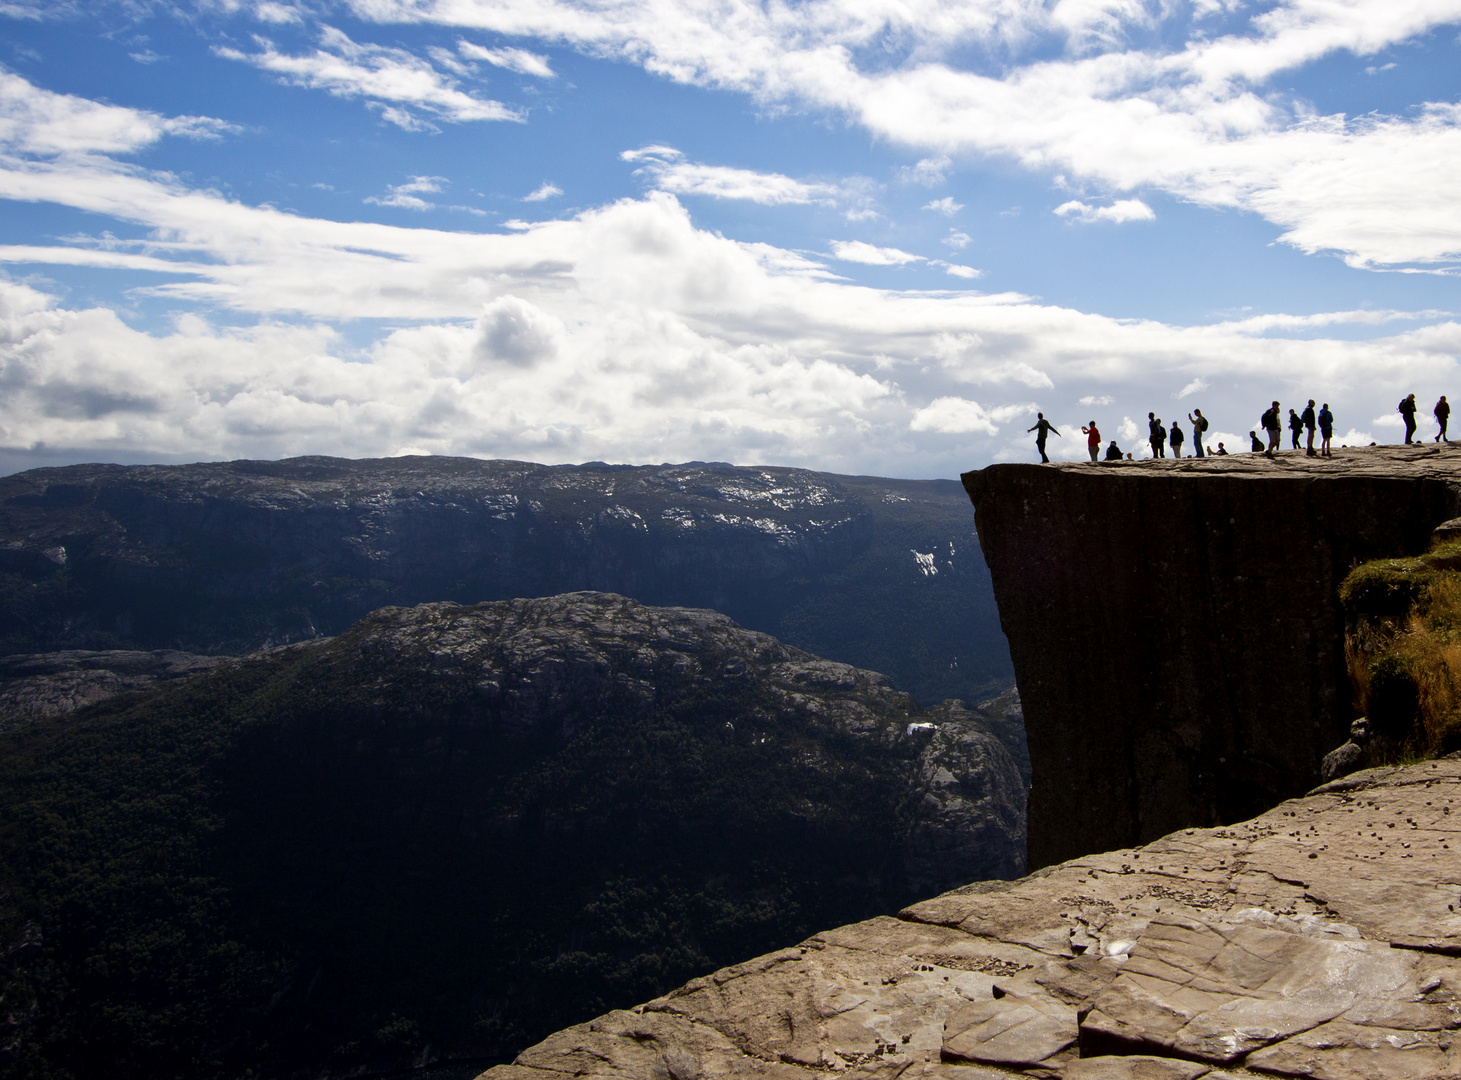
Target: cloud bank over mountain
(630, 327)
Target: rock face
(452, 829)
(1176, 628)
(231, 557)
(1322, 939)
(51, 684)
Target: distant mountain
(231, 557)
(452, 830)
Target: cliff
(1320, 939)
(230, 557)
(1176, 627)
(450, 830)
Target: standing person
(1153, 425)
(1309, 420)
(1443, 413)
(1042, 429)
(1273, 427)
(1326, 430)
(1407, 412)
(1176, 438)
(1295, 426)
(1093, 440)
(1159, 445)
(1199, 425)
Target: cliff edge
(1176, 628)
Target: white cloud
(945, 206)
(1196, 386)
(1204, 117)
(856, 251)
(1118, 212)
(38, 122)
(345, 68)
(958, 240)
(544, 192)
(953, 415)
(930, 171)
(956, 270)
(408, 195)
(1096, 399)
(670, 172)
(518, 60)
(270, 12)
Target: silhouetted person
(1221, 451)
(1199, 425)
(1176, 438)
(1296, 425)
(1443, 414)
(1113, 452)
(1153, 426)
(1326, 430)
(1042, 429)
(1093, 440)
(1257, 443)
(1407, 412)
(1309, 421)
(1273, 428)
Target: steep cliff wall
(1176, 630)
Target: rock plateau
(1321, 939)
(1176, 628)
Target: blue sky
(855, 235)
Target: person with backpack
(1199, 425)
(1443, 414)
(1326, 430)
(1273, 428)
(1406, 409)
(1176, 438)
(1042, 429)
(1159, 443)
(1309, 420)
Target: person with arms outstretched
(1093, 440)
(1042, 429)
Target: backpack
(1203, 421)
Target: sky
(867, 236)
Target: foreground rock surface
(1321, 939)
(1176, 627)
